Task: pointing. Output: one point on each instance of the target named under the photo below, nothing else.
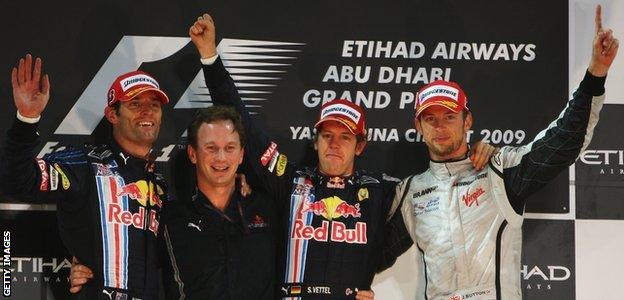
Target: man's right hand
(31, 92)
(202, 34)
(79, 275)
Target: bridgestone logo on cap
(438, 91)
(342, 110)
(136, 80)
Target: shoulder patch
(269, 154)
(365, 179)
(281, 165)
(45, 177)
(67, 156)
(386, 177)
(99, 153)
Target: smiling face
(217, 154)
(137, 122)
(336, 148)
(444, 132)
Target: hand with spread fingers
(79, 275)
(202, 33)
(480, 154)
(31, 91)
(604, 48)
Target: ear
(110, 114)
(359, 147)
(191, 154)
(417, 125)
(468, 122)
(242, 154)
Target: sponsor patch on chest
(426, 206)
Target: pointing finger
(598, 18)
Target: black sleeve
(397, 239)
(262, 155)
(170, 286)
(528, 168)
(54, 177)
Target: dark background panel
(600, 171)
(40, 263)
(548, 260)
(76, 40)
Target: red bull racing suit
(467, 224)
(332, 227)
(108, 207)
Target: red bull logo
(338, 233)
(332, 208)
(117, 215)
(140, 191)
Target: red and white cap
(447, 94)
(346, 112)
(130, 85)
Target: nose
(437, 124)
(220, 155)
(333, 142)
(146, 109)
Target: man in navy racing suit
(109, 196)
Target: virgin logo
(470, 198)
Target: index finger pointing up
(598, 18)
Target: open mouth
(220, 169)
(146, 124)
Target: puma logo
(194, 226)
(109, 294)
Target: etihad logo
(611, 162)
(544, 277)
(603, 157)
(255, 67)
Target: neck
(336, 174)
(136, 150)
(219, 196)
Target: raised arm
(528, 168)
(20, 173)
(262, 155)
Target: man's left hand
(604, 48)
(480, 154)
(365, 295)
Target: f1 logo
(248, 57)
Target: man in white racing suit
(467, 223)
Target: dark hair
(117, 106)
(213, 114)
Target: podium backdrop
(517, 61)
